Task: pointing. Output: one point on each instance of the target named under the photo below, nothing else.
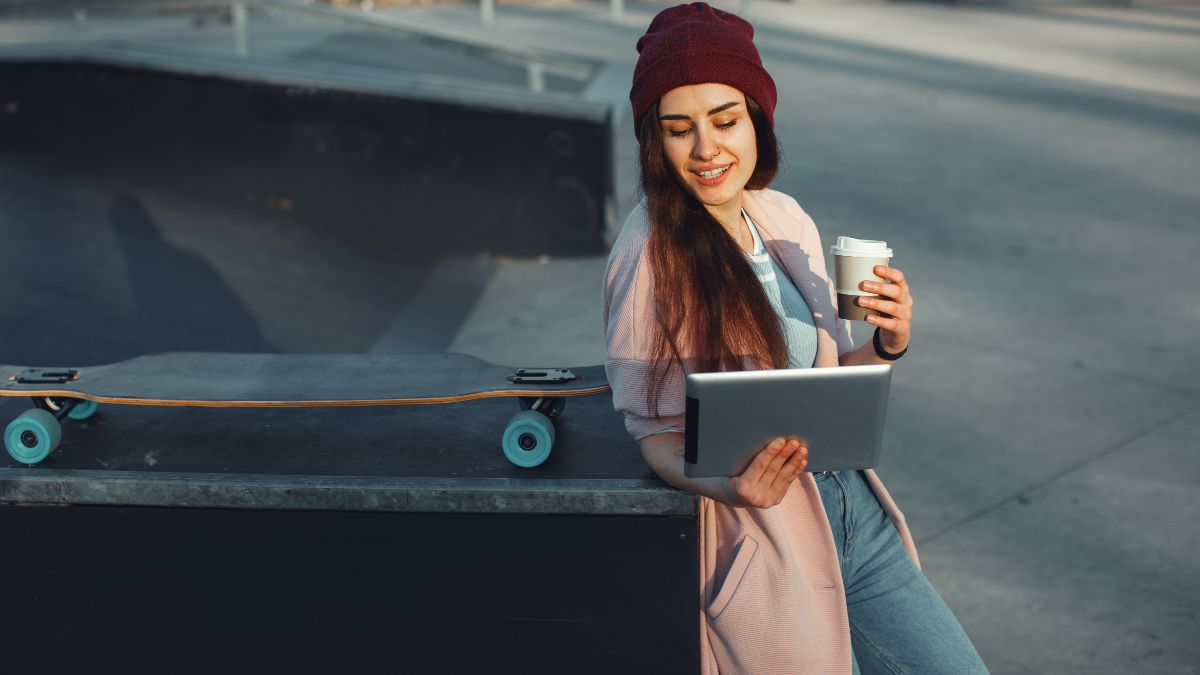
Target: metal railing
(537, 64)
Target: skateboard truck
(543, 376)
(43, 376)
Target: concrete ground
(1034, 167)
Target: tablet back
(840, 412)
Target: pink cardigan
(772, 599)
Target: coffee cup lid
(861, 248)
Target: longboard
(222, 380)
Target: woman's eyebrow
(714, 111)
(723, 107)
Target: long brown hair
(709, 304)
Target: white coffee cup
(854, 262)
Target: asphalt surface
(1034, 167)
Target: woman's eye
(679, 132)
(726, 125)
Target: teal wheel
(528, 438)
(32, 436)
(83, 409)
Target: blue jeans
(898, 623)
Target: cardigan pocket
(737, 571)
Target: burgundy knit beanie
(695, 44)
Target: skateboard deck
(201, 379)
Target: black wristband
(881, 353)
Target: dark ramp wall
(429, 178)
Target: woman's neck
(729, 215)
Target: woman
(712, 271)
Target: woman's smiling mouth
(712, 176)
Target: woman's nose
(705, 147)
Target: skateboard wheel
(82, 410)
(528, 438)
(32, 436)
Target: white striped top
(799, 330)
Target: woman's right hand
(766, 480)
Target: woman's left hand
(895, 308)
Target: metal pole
(241, 28)
(617, 8)
(487, 12)
(537, 79)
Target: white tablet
(840, 412)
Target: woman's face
(709, 141)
